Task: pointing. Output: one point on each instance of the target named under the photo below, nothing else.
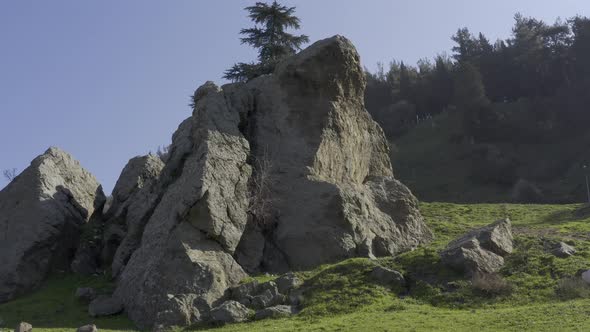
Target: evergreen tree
(269, 36)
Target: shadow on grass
(53, 306)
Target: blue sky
(108, 80)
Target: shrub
(572, 288)
(261, 182)
(491, 284)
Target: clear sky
(107, 80)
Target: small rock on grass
(23, 327)
(87, 328)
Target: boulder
(287, 282)
(329, 193)
(268, 295)
(87, 328)
(563, 250)
(481, 250)
(42, 214)
(85, 294)
(230, 312)
(23, 327)
(105, 306)
(275, 312)
(387, 277)
(586, 276)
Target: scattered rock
(288, 282)
(85, 294)
(41, 214)
(230, 312)
(481, 250)
(243, 293)
(269, 297)
(104, 306)
(275, 312)
(563, 250)
(87, 328)
(387, 277)
(23, 327)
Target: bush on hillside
(491, 284)
(572, 288)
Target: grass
(341, 297)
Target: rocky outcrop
(201, 212)
(114, 236)
(330, 192)
(42, 213)
(481, 250)
(134, 198)
(287, 171)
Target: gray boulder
(563, 250)
(481, 250)
(387, 277)
(42, 213)
(105, 306)
(287, 282)
(23, 327)
(230, 312)
(268, 295)
(275, 312)
(87, 328)
(85, 294)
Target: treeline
(531, 87)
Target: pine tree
(269, 36)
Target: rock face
(41, 215)
(134, 198)
(330, 193)
(114, 236)
(481, 250)
(287, 171)
(199, 217)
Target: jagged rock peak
(41, 215)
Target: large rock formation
(112, 238)
(331, 193)
(41, 215)
(287, 171)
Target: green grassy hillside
(535, 294)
